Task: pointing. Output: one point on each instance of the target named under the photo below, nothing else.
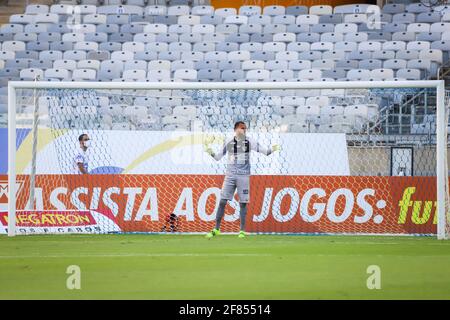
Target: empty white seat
(434, 55)
(310, 74)
(282, 74)
(122, 55)
(144, 37)
(36, 9)
(134, 75)
(260, 20)
(46, 18)
(274, 10)
(89, 64)
(251, 46)
(286, 55)
(179, 29)
(409, 74)
(258, 75)
(322, 46)
(347, 46)
(440, 27)
(324, 64)
(56, 73)
(382, 74)
(182, 64)
(225, 12)
(185, 74)
(308, 110)
(248, 10)
(236, 19)
(355, 18)
(418, 27)
(135, 111)
(21, 19)
(321, 10)
(276, 65)
(202, 10)
(112, 65)
(369, 46)
(155, 10)
(73, 37)
(394, 45)
(284, 37)
(84, 74)
(298, 46)
(309, 19)
(216, 55)
(418, 45)
(31, 73)
(204, 46)
(274, 46)
(394, 64)
(158, 75)
(180, 10)
(86, 46)
(159, 65)
(185, 110)
(121, 126)
(155, 28)
(346, 28)
(133, 47)
(180, 46)
(241, 55)
(65, 64)
(358, 74)
(356, 110)
(331, 110)
(190, 20)
(13, 46)
(157, 46)
(62, 9)
(193, 55)
(284, 19)
(203, 28)
(252, 65)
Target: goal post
(244, 100)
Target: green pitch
(191, 267)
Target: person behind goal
(81, 156)
(237, 174)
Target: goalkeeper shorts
(241, 183)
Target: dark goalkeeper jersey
(238, 151)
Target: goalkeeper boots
(214, 232)
(241, 234)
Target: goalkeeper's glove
(207, 148)
(276, 147)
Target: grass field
(191, 267)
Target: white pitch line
(139, 255)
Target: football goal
(351, 157)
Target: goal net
(354, 158)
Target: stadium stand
(138, 40)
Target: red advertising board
(298, 204)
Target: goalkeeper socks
(243, 214)
(220, 212)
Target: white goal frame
(441, 127)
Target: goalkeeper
(237, 173)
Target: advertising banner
(187, 203)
